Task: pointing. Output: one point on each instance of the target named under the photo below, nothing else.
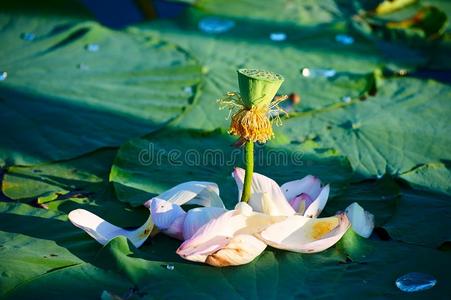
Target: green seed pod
(258, 87)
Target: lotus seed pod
(258, 87)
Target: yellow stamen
(252, 124)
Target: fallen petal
(362, 222)
(317, 206)
(242, 249)
(103, 231)
(211, 237)
(309, 185)
(198, 217)
(193, 192)
(164, 213)
(175, 230)
(306, 235)
(266, 196)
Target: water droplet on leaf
(215, 25)
(188, 90)
(344, 39)
(278, 36)
(28, 36)
(3, 76)
(92, 47)
(346, 99)
(415, 282)
(311, 72)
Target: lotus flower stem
(249, 153)
(251, 110)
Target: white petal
(243, 208)
(175, 230)
(274, 203)
(301, 234)
(103, 231)
(198, 217)
(261, 202)
(317, 206)
(164, 213)
(309, 185)
(362, 222)
(193, 192)
(241, 249)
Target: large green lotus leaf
(41, 248)
(23, 258)
(380, 197)
(407, 215)
(404, 125)
(421, 218)
(248, 45)
(148, 166)
(84, 281)
(416, 34)
(297, 11)
(428, 23)
(75, 183)
(61, 100)
(434, 176)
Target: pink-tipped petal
(316, 207)
(211, 237)
(300, 203)
(228, 239)
(266, 196)
(309, 185)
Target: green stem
(249, 150)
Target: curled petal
(306, 235)
(362, 222)
(211, 237)
(309, 185)
(317, 206)
(198, 217)
(193, 192)
(164, 213)
(266, 195)
(103, 231)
